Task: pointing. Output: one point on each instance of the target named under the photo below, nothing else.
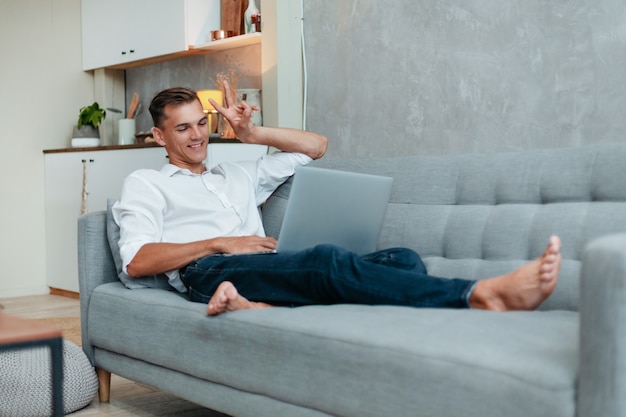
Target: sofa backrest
(481, 215)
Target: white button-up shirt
(175, 205)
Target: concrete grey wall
(396, 77)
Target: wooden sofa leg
(104, 385)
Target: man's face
(184, 134)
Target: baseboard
(64, 293)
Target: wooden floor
(128, 398)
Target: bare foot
(523, 289)
(226, 298)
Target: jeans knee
(409, 256)
(331, 258)
(398, 257)
(328, 250)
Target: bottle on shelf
(249, 26)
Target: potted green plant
(86, 131)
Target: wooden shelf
(213, 139)
(103, 148)
(205, 48)
(229, 43)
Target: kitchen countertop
(133, 146)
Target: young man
(200, 230)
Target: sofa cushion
(337, 359)
(113, 236)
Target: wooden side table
(18, 333)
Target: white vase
(249, 27)
(253, 98)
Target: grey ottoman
(25, 387)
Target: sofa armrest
(602, 377)
(95, 264)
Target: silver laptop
(342, 208)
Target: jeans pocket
(198, 297)
(201, 283)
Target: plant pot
(86, 131)
(85, 137)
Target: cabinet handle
(132, 51)
(123, 52)
(84, 160)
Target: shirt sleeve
(139, 215)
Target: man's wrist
(252, 135)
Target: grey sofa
(475, 216)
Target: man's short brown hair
(172, 96)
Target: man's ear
(157, 134)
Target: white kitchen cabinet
(101, 175)
(233, 152)
(118, 32)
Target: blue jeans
(327, 274)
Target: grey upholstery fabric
(113, 237)
(95, 266)
(331, 358)
(221, 397)
(603, 328)
(468, 215)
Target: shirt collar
(170, 170)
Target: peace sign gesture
(239, 115)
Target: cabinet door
(103, 32)
(157, 28)
(63, 202)
(106, 174)
(120, 31)
(71, 176)
(233, 152)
